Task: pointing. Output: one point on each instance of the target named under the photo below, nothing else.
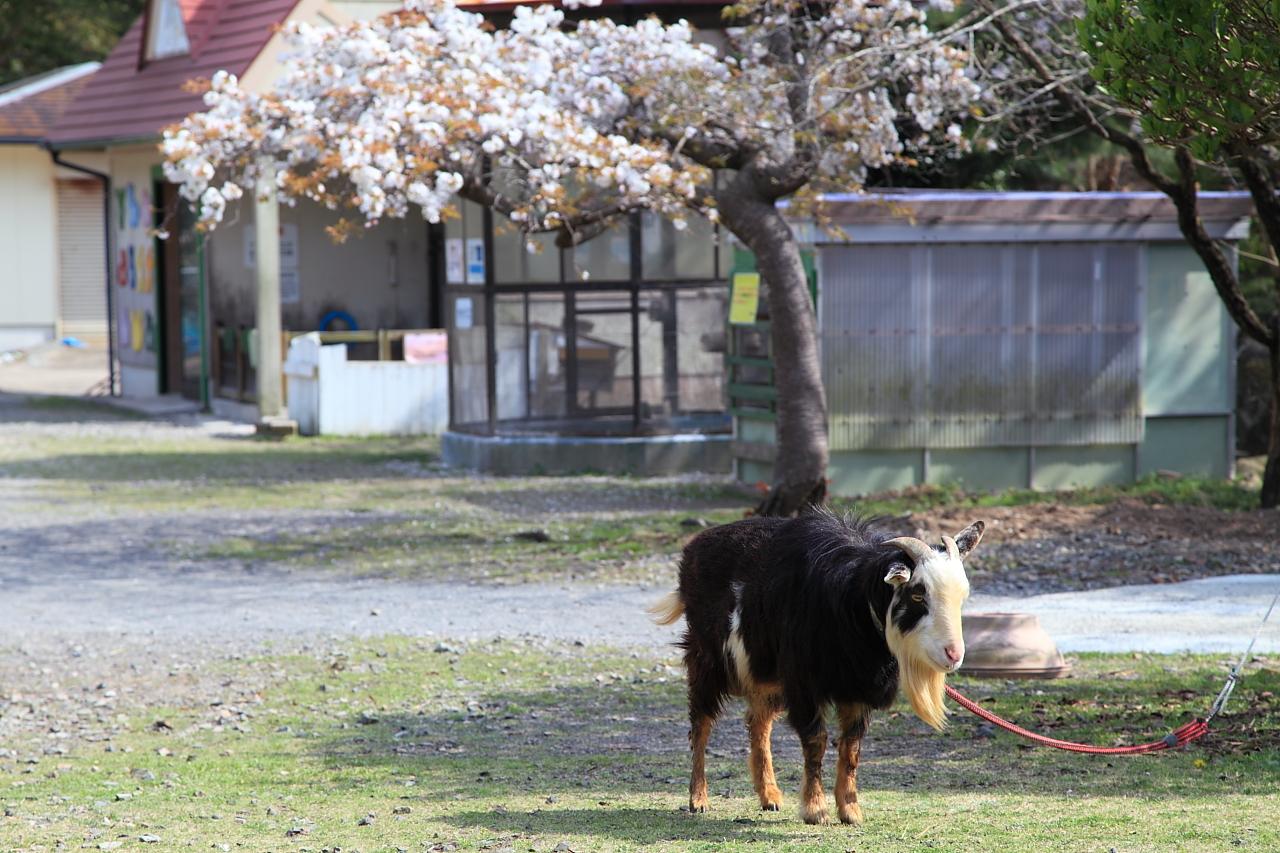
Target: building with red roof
(160, 326)
(51, 220)
(185, 309)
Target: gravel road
(89, 576)
(72, 603)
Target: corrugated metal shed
(959, 320)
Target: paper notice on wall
(454, 262)
(475, 261)
(290, 288)
(745, 300)
(462, 313)
(426, 348)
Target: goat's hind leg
(807, 721)
(762, 710)
(706, 697)
(699, 732)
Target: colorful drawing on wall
(135, 275)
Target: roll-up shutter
(82, 300)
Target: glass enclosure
(620, 335)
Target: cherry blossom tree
(566, 126)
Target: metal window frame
(635, 285)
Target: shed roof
(29, 108)
(131, 100)
(965, 207)
(910, 216)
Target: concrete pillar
(266, 224)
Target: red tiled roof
(123, 101)
(31, 117)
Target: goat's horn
(953, 550)
(916, 549)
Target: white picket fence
(329, 395)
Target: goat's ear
(968, 539)
(898, 574)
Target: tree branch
(1183, 191)
(1221, 271)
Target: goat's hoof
(698, 806)
(814, 814)
(851, 813)
(771, 799)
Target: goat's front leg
(853, 725)
(813, 739)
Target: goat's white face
(923, 627)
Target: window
(634, 346)
(166, 31)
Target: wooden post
(266, 223)
(242, 365)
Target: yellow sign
(745, 299)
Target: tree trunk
(800, 463)
(1271, 475)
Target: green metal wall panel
(981, 469)
(754, 472)
(1186, 445)
(1081, 467)
(1187, 352)
(862, 472)
(755, 431)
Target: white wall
(329, 395)
(365, 9)
(266, 67)
(28, 247)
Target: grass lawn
(399, 744)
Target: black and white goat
(798, 614)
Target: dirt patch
(1054, 548)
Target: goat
(797, 614)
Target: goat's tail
(667, 609)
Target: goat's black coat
(807, 587)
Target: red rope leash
(1178, 737)
(1197, 728)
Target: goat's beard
(919, 679)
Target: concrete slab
(53, 368)
(644, 456)
(165, 406)
(1210, 615)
